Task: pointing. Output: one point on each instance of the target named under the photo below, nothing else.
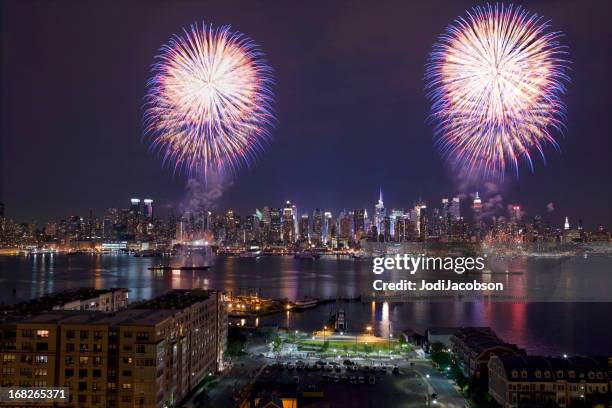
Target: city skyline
(331, 116)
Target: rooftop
(175, 299)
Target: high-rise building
(455, 209)
(148, 209)
(328, 224)
(288, 224)
(317, 226)
(379, 211)
(275, 225)
(303, 227)
(150, 356)
(359, 223)
(135, 206)
(477, 207)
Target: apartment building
(150, 355)
(534, 381)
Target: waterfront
(540, 327)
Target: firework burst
(208, 103)
(495, 80)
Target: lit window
(43, 334)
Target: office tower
(386, 229)
(231, 227)
(317, 226)
(477, 207)
(148, 209)
(303, 228)
(250, 226)
(359, 223)
(379, 211)
(455, 209)
(135, 206)
(566, 225)
(345, 224)
(399, 227)
(423, 222)
(288, 224)
(445, 208)
(275, 225)
(328, 222)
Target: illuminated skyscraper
(317, 226)
(148, 209)
(359, 223)
(328, 222)
(477, 206)
(135, 206)
(455, 209)
(379, 212)
(275, 225)
(566, 225)
(303, 228)
(288, 224)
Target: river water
(566, 323)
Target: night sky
(350, 107)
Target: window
(82, 399)
(40, 383)
(97, 335)
(69, 372)
(97, 373)
(42, 346)
(97, 360)
(111, 386)
(538, 374)
(127, 373)
(83, 360)
(95, 386)
(26, 358)
(82, 386)
(142, 335)
(126, 386)
(40, 372)
(128, 334)
(96, 399)
(8, 371)
(41, 359)
(42, 334)
(8, 358)
(25, 372)
(69, 347)
(68, 360)
(84, 334)
(140, 348)
(83, 347)
(70, 334)
(26, 346)
(127, 360)
(82, 373)
(97, 348)
(514, 374)
(27, 333)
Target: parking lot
(347, 383)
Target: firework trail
(208, 104)
(495, 80)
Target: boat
(253, 252)
(305, 303)
(179, 268)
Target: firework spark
(208, 104)
(495, 80)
